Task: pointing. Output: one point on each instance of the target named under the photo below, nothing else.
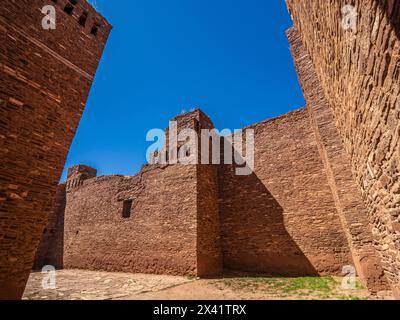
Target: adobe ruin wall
(282, 220)
(45, 78)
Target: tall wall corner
(78, 174)
(346, 193)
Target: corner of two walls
(209, 248)
(51, 248)
(45, 81)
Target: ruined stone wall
(299, 213)
(347, 196)
(174, 222)
(359, 72)
(282, 220)
(51, 248)
(209, 254)
(45, 80)
(201, 219)
(158, 237)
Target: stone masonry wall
(359, 71)
(158, 237)
(51, 248)
(209, 254)
(347, 195)
(282, 220)
(44, 83)
(174, 222)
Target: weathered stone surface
(45, 77)
(51, 248)
(201, 219)
(158, 237)
(98, 285)
(282, 220)
(325, 188)
(359, 74)
(347, 196)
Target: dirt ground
(93, 285)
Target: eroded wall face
(348, 200)
(282, 220)
(200, 219)
(209, 255)
(51, 249)
(45, 79)
(158, 237)
(359, 73)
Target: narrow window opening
(69, 8)
(126, 210)
(83, 18)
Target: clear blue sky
(228, 57)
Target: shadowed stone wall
(359, 72)
(325, 186)
(45, 77)
(282, 220)
(172, 225)
(51, 248)
(201, 219)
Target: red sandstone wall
(51, 248)
(174, 227)
(45, 80)
(359, 73)
(347, 196)
(209, 254)
(160, 235)
(282, 219)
